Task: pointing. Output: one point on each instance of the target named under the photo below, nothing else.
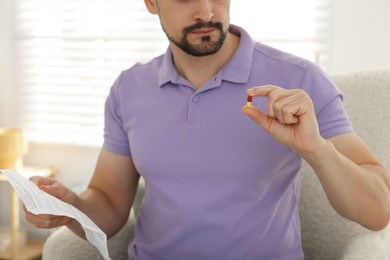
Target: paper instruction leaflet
(40, 202)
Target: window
(69, 53)
(300, 27)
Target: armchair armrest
(63, 244)
(366, 246)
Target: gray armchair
(325, 235)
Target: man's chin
(201, 52)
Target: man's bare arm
(355, 182)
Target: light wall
(6, 83)
(360, 35)
(6, 62)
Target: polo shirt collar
(237, 70)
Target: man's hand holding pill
(290, 117)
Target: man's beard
(206, 47)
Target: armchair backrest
(367, 101)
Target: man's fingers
(261, 91)
(257, 116)
(285, 105)
(39, 180)
(288, 109)
(45, 220)
(50, 186)
(57, 190)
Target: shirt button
(195, 98)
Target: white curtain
(70, 51)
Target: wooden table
(32, 249)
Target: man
(219, 186)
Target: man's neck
(199, 70)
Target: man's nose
(204, 11)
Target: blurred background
(58, 60)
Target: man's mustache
(201, 25)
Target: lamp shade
(13, 146)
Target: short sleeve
(328, 103)
(115, 137)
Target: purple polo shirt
(217, 185)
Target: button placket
(192, 119)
